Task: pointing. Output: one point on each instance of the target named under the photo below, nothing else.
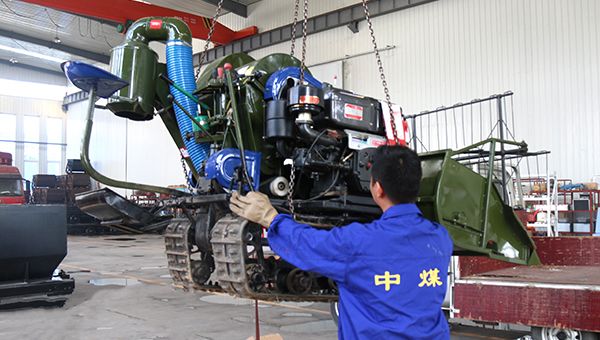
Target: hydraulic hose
(309, 134)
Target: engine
(321, 134)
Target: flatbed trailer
(559, 299)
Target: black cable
(335, 179)
(91, 26)
(106, 40)
(21, 15)
(52, 20)
(79, 27)
(314, 142)
(17, 42)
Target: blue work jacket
(391, 273)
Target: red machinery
(11, 182)
(127, 11)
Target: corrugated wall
(546, 51)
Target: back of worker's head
(397, 169)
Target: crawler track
(230, 253)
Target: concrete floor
(123, 292)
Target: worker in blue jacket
(391, 273)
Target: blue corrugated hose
(181, 72)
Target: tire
(335, 313)
(543, 333)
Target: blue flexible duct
(181, 72)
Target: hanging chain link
(290, 198)
(382, 74)
(211, 30)
(304, 25)
(186, 174)
(296, 7)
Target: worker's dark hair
(398, 170)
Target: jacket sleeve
(326, 252)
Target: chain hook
(208, 40)
(382, 74)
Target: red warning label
(352, 111)
(309, 100)
(156, 24)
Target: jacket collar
(401, 209)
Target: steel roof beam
(231, 6)
(319, 23)
(60, 47)
(34, 68)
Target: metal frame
(60, 47)
(74, 98)
(319, 23)
(125, 11)
(32, 68)
(231, 6)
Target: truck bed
(564, 292)
(588, 277)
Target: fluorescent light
(31, 54)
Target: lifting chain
(186, 174)
(290, 197)
(211, 30)
(382, 74)
(293, 47)
(304, 25)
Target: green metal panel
(136, 63)
(479, 222)
(237, 60)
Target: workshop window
(31, 146)
(54, 146)
(8, 133)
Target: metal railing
(465, 125)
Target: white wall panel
(141, 152)
(152, 156)
(448, 51)
(15, 72)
